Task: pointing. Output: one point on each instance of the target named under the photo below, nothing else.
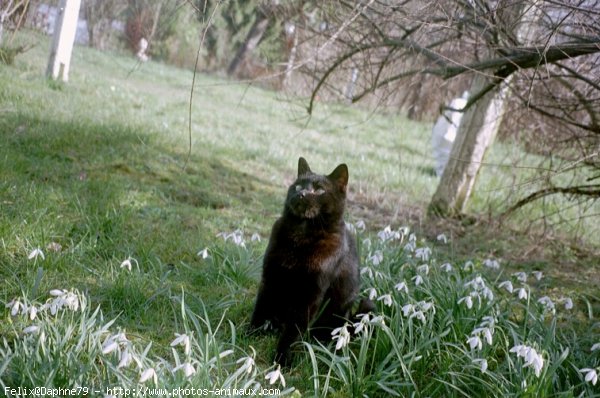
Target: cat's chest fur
(302, 248)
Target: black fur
(310, 270)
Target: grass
(92, 173)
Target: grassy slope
(96, 165)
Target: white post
(64, 37)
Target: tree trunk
(478, 129)
(254, 36)
(475, 134)
(4, 14)
(292, 44)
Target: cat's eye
(298, 188)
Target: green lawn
(94, 172)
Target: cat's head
(314, 195)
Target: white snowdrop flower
(187, 368)
(426, 306)
(468, 300)
(446, 267)
(125, 359)
(377, 257)
(275, 375)
(184, 340)
(486, 332)
(538, 275)
(476, 283)
(31, 329)
(521, 276)
(506, 285)
(419, 315)
(388, 234)
(359, 326)
(372, 293)
(536, 361)
(203, 253)
(148, 374)
(547, 303)
(237, 237)
(531, 356)
(255, 237)
(342, 335)
(520, 349)
(112, 343)
(367, 270)
(468, 266)
(33, 312)
(387, 299)
(109, 346)
(475, 342)
(377, 320)
(57, 292)
(16, 306)
(402, 287)
(423, 253)
(442, 238)
(423, 269)
(247, 365)
(68, 299)
(591, 375)
(490, 263)
(595, 347)
(411, 246)
(487, 293)
(522, 293)
(407, 309)
(35, 253)
(128, 262)
(384, 234)
(366, 242)
(418, 279)
(568, 303)
(483, 364)
(360, 225)
(488, 321)
(120, 338)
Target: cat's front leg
(262, 310)
(289, 335)
(296, 326)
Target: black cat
(310, 269)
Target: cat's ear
(340, 176)
(303, 167)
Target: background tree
(99, 15)
(153, 20)
(551, 78)
(12, 10)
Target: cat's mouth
(304, 210)
(311, 213)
